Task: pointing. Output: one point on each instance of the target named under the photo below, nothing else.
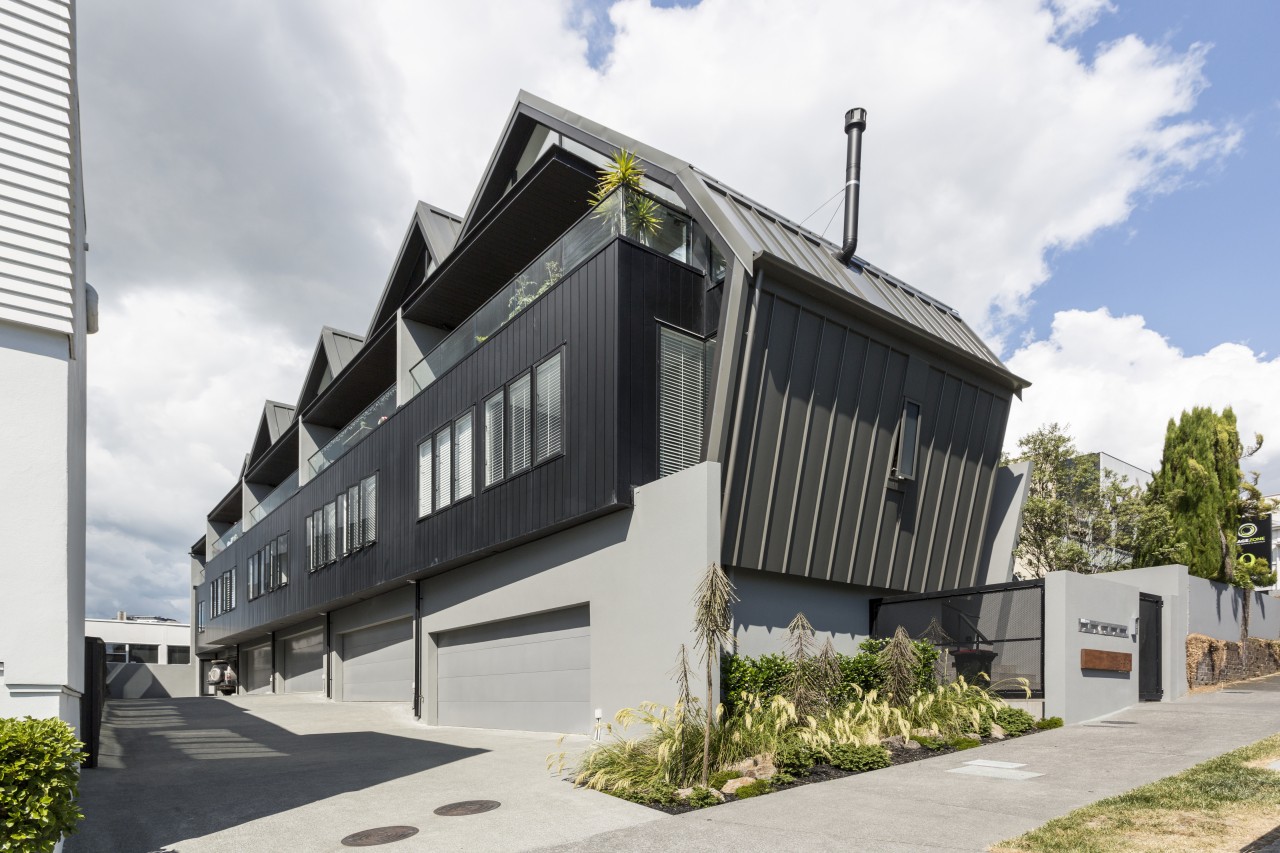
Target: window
(178, 654)
(330, 532)
(444, 467)
(231, 587)
(904, 456)
(549, 411)
(200, 605)
(493, 446)
(117, 653)
(310, 538)
(681, 400)
(315, 524)
(223, 592)
(340, 528)
(465, 458)
(521, 441)
(353, 516)
(255, 579)
(426, 499)
(144, 653)
(369, 510)
(280, 569)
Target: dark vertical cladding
(809, 487)
(604, 315)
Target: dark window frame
(899, 440)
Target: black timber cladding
(605, 316)
(808, 490)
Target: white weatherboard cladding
(303, 663)
(377, 663)
(38, 184)
(531, 673)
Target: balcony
(224, 541)
(625, 213)
(271, 502)
(355, 432)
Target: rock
(997, 732)
(972, 736)
(764, 770)
(895, 742)
(911, 744)
(933, 733)
(683, 793)
(732, 786)
(745, 766)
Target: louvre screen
(681, 400)
(521, 440)
(549, 412)
(464, 457)
(493, 446)
(424, 478)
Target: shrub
(1015, 721)
(755, 789)
(860, 758)
(931, 743)
(1049, 723)
(782, 777)
(963, 743)
(718, 779)
(702, 797)
(953, 709)
(794, 757)
(39, 775)
(658, 795)
(763, 676)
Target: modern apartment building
(495, 504)
(46, 309)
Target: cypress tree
(1199, 481)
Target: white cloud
(1117, 383)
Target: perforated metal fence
(995, 630)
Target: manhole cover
(467, 807)
(381, 835)
(1243, 692)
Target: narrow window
(282, 560)
(521, 441)
(369, 510)
(200, 608)
(493, 411)
(253, 577)
(425, 479)
(309, 538)
(463, 458)
(273, 565)
(908, 442)
(444, 467)
(231, 588)
(353, 517)
(549, 409)
(330, 532)
(681, 400)
(340, 527)
(144, 653)
(317, 539)
(178, 655)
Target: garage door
(255, 669)
(377, 663)
(531, 673)
(304, 662)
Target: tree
(713, 631)
(1081, 518)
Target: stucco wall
(635, 569)
(1170, 583)
(769, 601)
(1073, 693)
(1216, 610)
(150, 680)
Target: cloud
(1116, 383)
(250, 169)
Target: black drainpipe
(855, 122)
(417, 650)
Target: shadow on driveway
(172, 769)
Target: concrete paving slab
(1006, 765)
(996, 773)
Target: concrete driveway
(299, 773)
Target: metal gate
(1150, 610)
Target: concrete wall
(635, 569)
(1073, 693)
(769, 601)
(150, 681)
(1008, 498)
(1170, 583)
(1216, 610)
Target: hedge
(39, 775)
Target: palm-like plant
(713, 631)
(630, 211)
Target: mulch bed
(825, 772)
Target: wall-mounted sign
(1107, 629)
(1106, 661)
(1253, 538)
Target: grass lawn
(1222, 804)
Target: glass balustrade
(355, 432)
(625, 212)
(222, 542)
(271, 502)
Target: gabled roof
(275, 419)
(334, 351)
(744, 229)
(428, 240)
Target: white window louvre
(521, 449)
(444, 467)
(340, 527)
(493, 412)
(311, 545)
(330, 532)
(282, 560)
(464, 457)
(681, 400)
(425, 485)
(353, 517)
(369, 510)
(550, 419)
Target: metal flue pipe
(855, 122)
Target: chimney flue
(855, 122)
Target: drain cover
(381, 835)
(467, 807)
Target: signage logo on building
(1253, 539)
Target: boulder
(924, 733)
(911, 744)
(895, 742)
(764, 770)
(997, 732)
(683, 793)
(745, 766)
(732, 786)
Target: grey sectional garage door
(531, 673)
(304, 662)
(255, 669)
(377, 663)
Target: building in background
(495, 504)
(46, 310)
(148, 657)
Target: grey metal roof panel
(440, 228)
(279, 416)
(340, 347)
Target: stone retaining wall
(1211, 661)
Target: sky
(1090, 184)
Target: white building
(147, 656)
(46, 309)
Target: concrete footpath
(927, 805)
